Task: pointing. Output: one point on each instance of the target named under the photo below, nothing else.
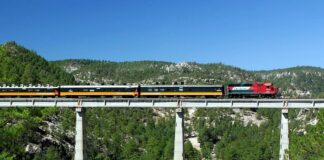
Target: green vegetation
(149, 133)
(306, 141)
(295, 82)
(229, 138)
(129, 134)
(21, 66)
(20, 127)
(225, 140)
(149, 72)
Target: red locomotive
(252, 90)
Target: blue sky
(251, 34)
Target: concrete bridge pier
(178, 138)
(79, 150)
(284, 139)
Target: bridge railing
(161, 103)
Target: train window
(85, 90)
(150, 89)
(70, 90)
(156, 90)
(162, 89)
(91, 90)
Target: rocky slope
(301, 82)
(296, 82)
(148, 133)
(33, 133)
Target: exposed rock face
(180, 67)
(313, 122)
(50, 139)
(304, 117)
(71, 67)
(50, 133)
(195, 143)
(32, 148)
(248, 117)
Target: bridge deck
(162, 103)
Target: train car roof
(182, 85)
(25, 87)
(102, 86)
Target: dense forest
(125, 133)
(32, 133)
(19, 65)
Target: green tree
(190, 152)
(29, 75)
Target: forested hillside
(239, 134)
(302, 81)
(150, 72)
(19, 65)
(33, 133)
(149, 133)
(49, 133)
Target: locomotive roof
(240, 84)
(265, 83)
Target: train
(239, 90)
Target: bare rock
(32, 148)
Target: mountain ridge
(149, 133)
(295, 82)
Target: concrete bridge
(178, 104)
